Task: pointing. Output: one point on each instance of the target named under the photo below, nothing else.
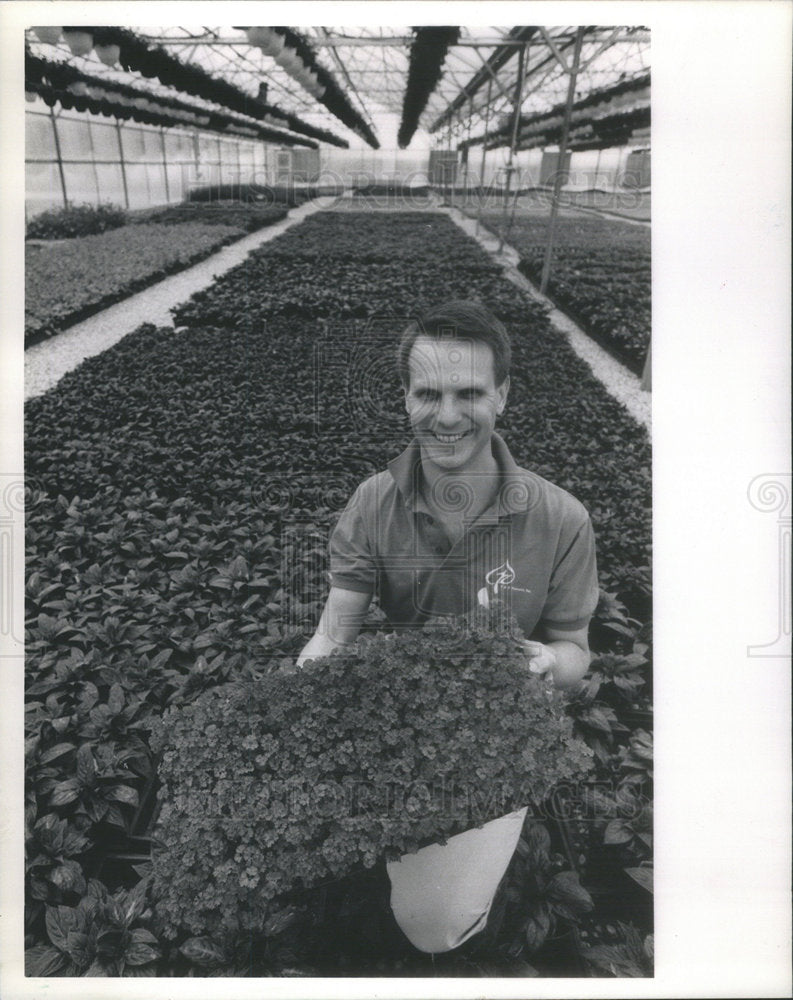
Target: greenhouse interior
(228, 231)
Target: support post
(522, 63)
(484, 154)
(165, 165)
(557, 185)
(93, 163)
(121, 163)
(58, 155)
(468, 149)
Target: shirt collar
(513, 496)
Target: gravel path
(621, 383)
(47, 362)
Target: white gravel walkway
(46, 363)
(621, 383)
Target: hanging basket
(290, 61)
(274, 45)
(257, 36)
(80, 42)
(108, 54)
(48, 34)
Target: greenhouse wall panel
(42, 187)
(155, 176)
(177, 187)
(111, 183)
(81, 182)
(138, 185)
(74, 138)
(104, 138)
(39, 137)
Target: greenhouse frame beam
(343, 70)
(557, 181)
(496, 60)
(493, 78)
(382, 41)
(523, 62)
(556, 53)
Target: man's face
(453, 401)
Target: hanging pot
(289, 60)
(30, 96)
(48, 34)
(257, 36)
(108, 54)
(80, 42)
(273, 44)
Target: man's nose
(447, 412)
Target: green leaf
(65, 792)
(537, 929)
(115, 701)
(203, 951)
(565, 888)
(140, 952)
(86, 765)
(642, 875)
(44, 960)
(123, 793)
(617, 832)
(68, 876)
(58, 920)
(134, 905)
(54, 752)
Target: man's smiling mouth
(449, 438)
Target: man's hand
(564, 655)
(541, 657)
(339, 624)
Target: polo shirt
(533, 548)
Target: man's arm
(339, 624)
(564, 652)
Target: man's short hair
(458, 320)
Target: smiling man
(454, 523)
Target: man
(453, 523)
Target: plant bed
(291, 195)
(75, 279)
(391, 189)
(249, 216)
(600, 276)
(76, 220)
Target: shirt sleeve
(352, 564)
(573, 591)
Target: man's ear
(501, 396)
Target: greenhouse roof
(352, 82)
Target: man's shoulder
(546, 496)
(375, 489)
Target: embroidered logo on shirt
(501, 576)
(497, 579)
